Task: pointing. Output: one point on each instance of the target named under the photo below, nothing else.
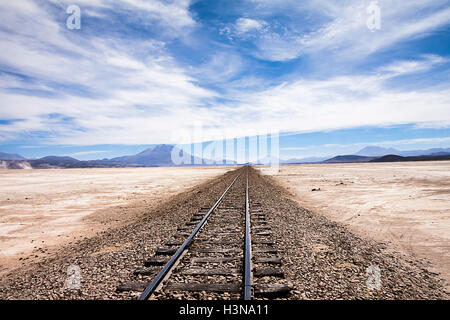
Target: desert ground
(43, 209)
(108, 222)
(405, 204)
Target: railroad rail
(213, 240)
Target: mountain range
(380, 154)
(160, 155)
(11, 156)
(371, 153)
(374, 151)
(157, 156)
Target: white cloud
(343, 30)
(244, 29)
(128, 82)
(412, 66)
(223, 66)
(244, 25)
(165, 104)
(173, 14)
(340, 102)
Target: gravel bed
(229, 218)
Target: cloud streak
(344, 30)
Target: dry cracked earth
(321, 258)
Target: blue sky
(140, 73)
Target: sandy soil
(41, 209)
(405, 204)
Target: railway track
(223, 252)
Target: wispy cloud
(342, 27)
(140, 70)
(342, 102)
(134, 93)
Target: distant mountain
(395, 158)
(374, 151)
(11, 156)
(51, 162)
(348, 158)
(389, 158)
(427, 152)
(57, 159)
(160, 155)
(440, 154)
(157, 155)
(54, 162)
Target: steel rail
(168, 266)
(248, 276)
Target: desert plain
(406, 205)
(43, 209)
